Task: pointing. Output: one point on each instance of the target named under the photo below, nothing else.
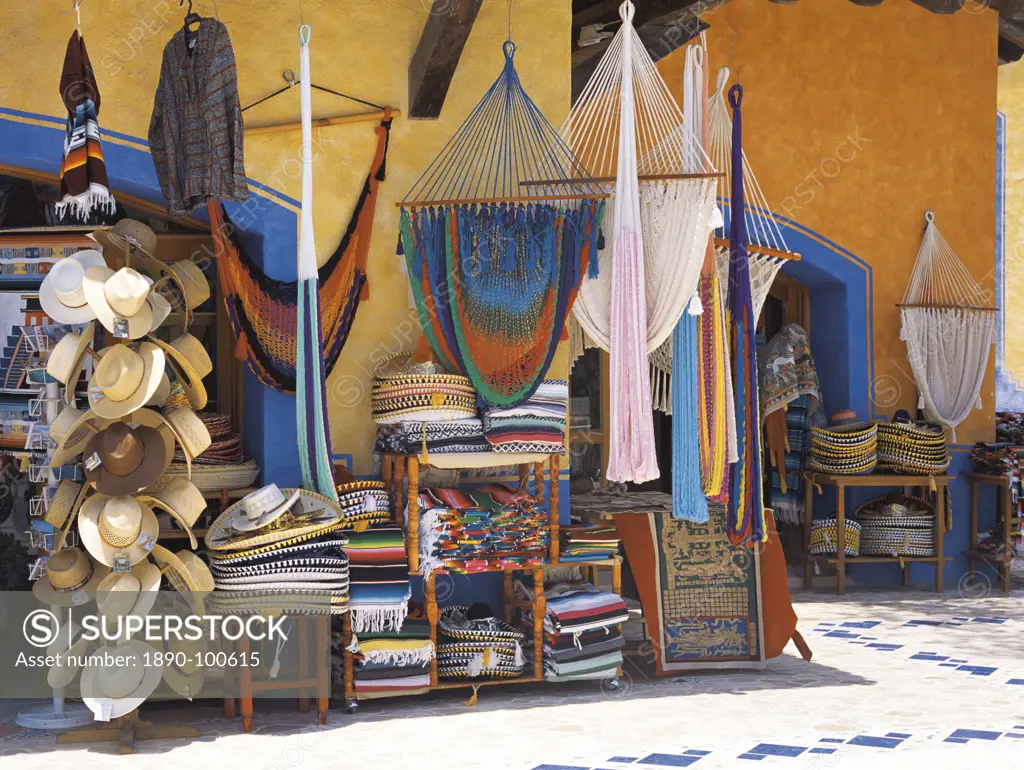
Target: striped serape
(379, 587)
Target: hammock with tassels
(264, 311)
(497, 234)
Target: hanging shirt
(195, 134)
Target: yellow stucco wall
(362, 48)
(913, 96)
(1011, 103)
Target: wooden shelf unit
(842, 483)
(1002, 562)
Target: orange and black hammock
(264, 311)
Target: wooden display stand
(842, 483)
(1002, 562)
(395, 470)
(125, 731)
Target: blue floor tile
(624, 760)
(826, 624)
(820, 750)
(957, 660)
(870, 638)
(697, 752)
(875, 742)
(981, 735)
(977, 670)
(559, 767)
(831, 740)
(861, 623)
(885, 647)
(997, 621)
(1013, 735)
(961, 618)
(669, 760)
(752, 756)
(929, 656)
(923, 623)
(1016, 681)
(949, 665)
(778, 750)
(842, 635)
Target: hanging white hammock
(655, 226)
(948, 331)
(766, 245)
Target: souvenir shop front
(470, 370)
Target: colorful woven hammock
(746, 503)
(497, 234)
(264, 311)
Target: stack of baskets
(469, 646)
(403, 391)
(847, 446)
(825, 540)
(897, 525)
(222, 465)
(908, 447)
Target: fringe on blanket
(418, 657)
(97, 198)
(372, 620)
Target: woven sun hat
(193, 283)
(123, 460)
(163, 390)
(180, 498)
(61, 294)
(127, 232)
(113, 527)
(219, 477)
(71, 579)
(825, 541)
(62, 503)
(189, 429)
(119, 301)
(117, 593)
(312, 514)
(197, 570)
(72, 429)
(67, 358)
(68, 647)
(190, 363)
(181, 672)
(125, 379)
(113, 691)
(261, 508)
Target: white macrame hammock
(948, 331)
(766, 239)
(626, 126)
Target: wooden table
(1003, 562)
(842, 483)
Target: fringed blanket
(379, 587)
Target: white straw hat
(61, 294)
(125, 379)
(67, 359)
(119, 300)
(113, 526)
(190, 362)
(71, 579)
(180, 498)
(261, 508)
(72, 430)
(113, 691)
(67, 648)
(192, 281)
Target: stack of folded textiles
(472, 643)
(589, 542)
(1001, 460)
(536, 425)
(440, 437)
(471, 530)
(364, 501)
(582, 639)
(393, 663)
(379, 587)
(1010, 427)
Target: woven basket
(824, 537)
(219, 477)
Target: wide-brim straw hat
(125, 379)
(127, 232)
(67, 648)
(111, 526)
(130, 459)
(150, 418)
(185, 571)
(162, 391)
(178, 497)
(222, 537)
(71, 439)
(120, 296)
(67, 359)
(61, 294)
(190, 362)
(62, 503)
(71, 579)
(261, 508)
(123, 594)
(113, 691)
(189, 430)
(185, 679)
(192, 281)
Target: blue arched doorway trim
(268, 222)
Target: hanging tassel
(696, 306)
(472, 698)
(400, 249)
(920, 400)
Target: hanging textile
(84, 187)
(948, 331)
(746, 503)
(263, 311)
(310, 380)
(627, 127)
(497, 234)
(715, 393)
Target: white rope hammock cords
(948, 331)
(627, 125)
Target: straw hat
(71, 578)
(66, 360)
(112, 526)
(180, 498)
(123, 460)
(261, 508)
(113, 691)
(160, 308)
(119, 300)
(72, 429)
(129, 593)
(61, 295)
(127, 231)
(197, 570)
(62, 503)
(149, 418)
(67, 648)
(191, 363)
(190, 431)
(185, 679)
(312, 513)
(162, 391)
(192, 282)
(125, 379)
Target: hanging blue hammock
(497, 235)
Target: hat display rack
(108, 458)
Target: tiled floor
(899, 679)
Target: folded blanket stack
(469, 530)
(536, 425)
(589, 542)
(379, 587)
(1010, 427)
(441, 437)
(470, 645)
(393, 663)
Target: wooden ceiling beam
(437, 55)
